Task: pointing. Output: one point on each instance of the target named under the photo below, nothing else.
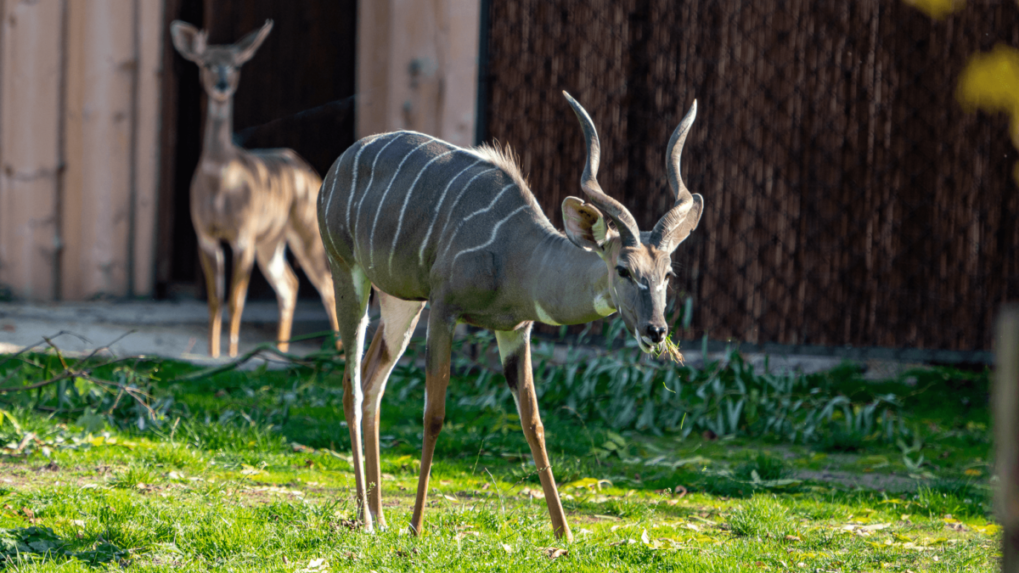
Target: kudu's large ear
(246, 48)
(585, 224)
(189, 41)
(682, 219)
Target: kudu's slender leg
(211, 254)
(272, 259)
(515, 352)
(244, 259)
(399, 318)
(352, 289)
(437, 356)
(311, 254)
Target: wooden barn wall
(297, 92)
(849, 199)
(79, 135)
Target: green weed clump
(764, 466)
(758, 516)
(623, 389)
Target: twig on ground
(266, 347)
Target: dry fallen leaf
(553, 552)
(532, 494)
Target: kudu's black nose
(656, 333)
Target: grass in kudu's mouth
(670, 350)
(250, 471)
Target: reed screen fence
(850, 200)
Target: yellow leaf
(990, 83)
(989, 529)
(587, 483)
(937, 9)
(247, 470)
(973, 472)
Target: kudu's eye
(622, 272)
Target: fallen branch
(266, 348)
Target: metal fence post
(1006, 434)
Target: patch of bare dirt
(876, 481)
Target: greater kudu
(425, 221)
(258, 201)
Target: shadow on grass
(24, 545)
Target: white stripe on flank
(491, 239)
(353, 184)
(371, 177)
(456, 201)
(490, 205)
(421, 252)
(472, 215)
(375, 222)
(325, 213)
(406, 200)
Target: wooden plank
(373, 57)
(1006, 434)
(459, 41)
(29, 147)
(147, 136)
(96, 210)
(418, 67)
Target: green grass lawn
(149, 465)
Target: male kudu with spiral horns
(425, 221)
